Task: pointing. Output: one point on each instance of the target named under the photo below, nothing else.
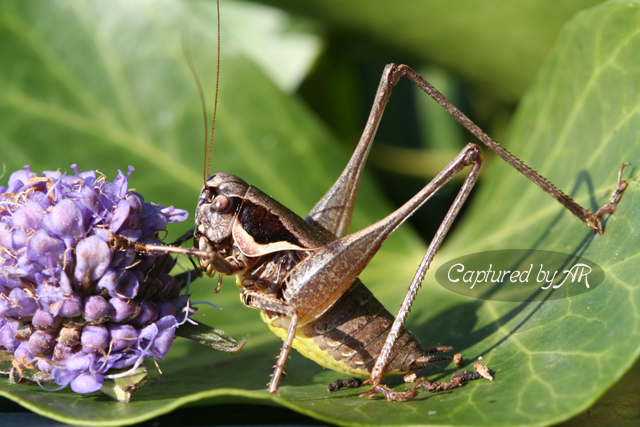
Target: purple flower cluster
(71, 304)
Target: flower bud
(94, 338)
(96, 309)
(41, 343)
(42, 319)
(148, 313)
(122, 336)
(123, 309)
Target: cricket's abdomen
(349, 336)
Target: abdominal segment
(349, 337)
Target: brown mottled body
(354, 330)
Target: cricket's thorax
(267, 273)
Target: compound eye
(220, 203)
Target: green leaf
(212, 337)
(105, 86)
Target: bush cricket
(303, 273)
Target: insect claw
(371, 392)
(219, 286)
(610, 207)
(390, 395)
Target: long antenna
(215, 104)
(194, 72)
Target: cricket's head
(218, 206)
